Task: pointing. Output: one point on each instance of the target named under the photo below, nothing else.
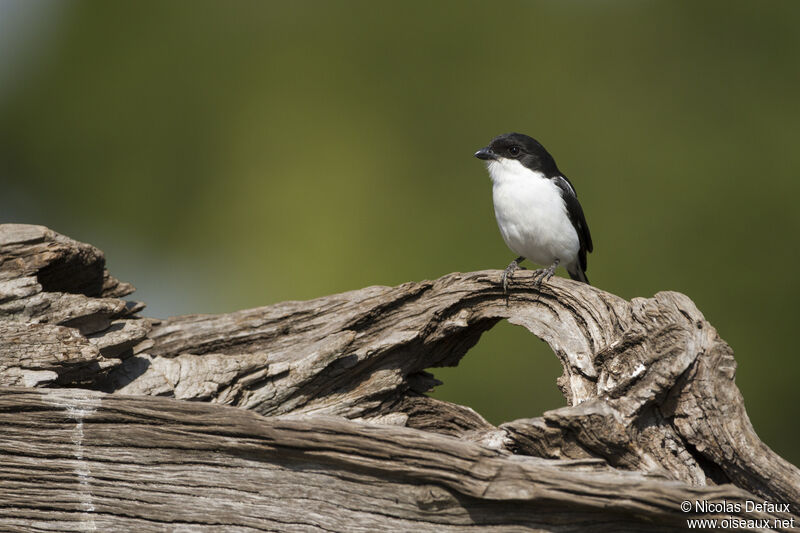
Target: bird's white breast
(531, 214)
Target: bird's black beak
(486, 154)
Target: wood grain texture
(313, 415)
(201, 465)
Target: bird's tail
(578, 274)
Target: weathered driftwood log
(313, 415)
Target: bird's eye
(514, 150)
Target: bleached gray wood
(108, 462)
(326, 425)
(62, 319)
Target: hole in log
(76, 273)
(509, 374)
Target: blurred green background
(234, 154)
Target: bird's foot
(509, 272)
(544, 274)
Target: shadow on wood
(313, 415)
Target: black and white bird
(536, 208)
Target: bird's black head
(523, 148)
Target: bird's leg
(546, 273)
(509, 272)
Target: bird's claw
(544, 274)
(508, 273)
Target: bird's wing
(575, 213)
